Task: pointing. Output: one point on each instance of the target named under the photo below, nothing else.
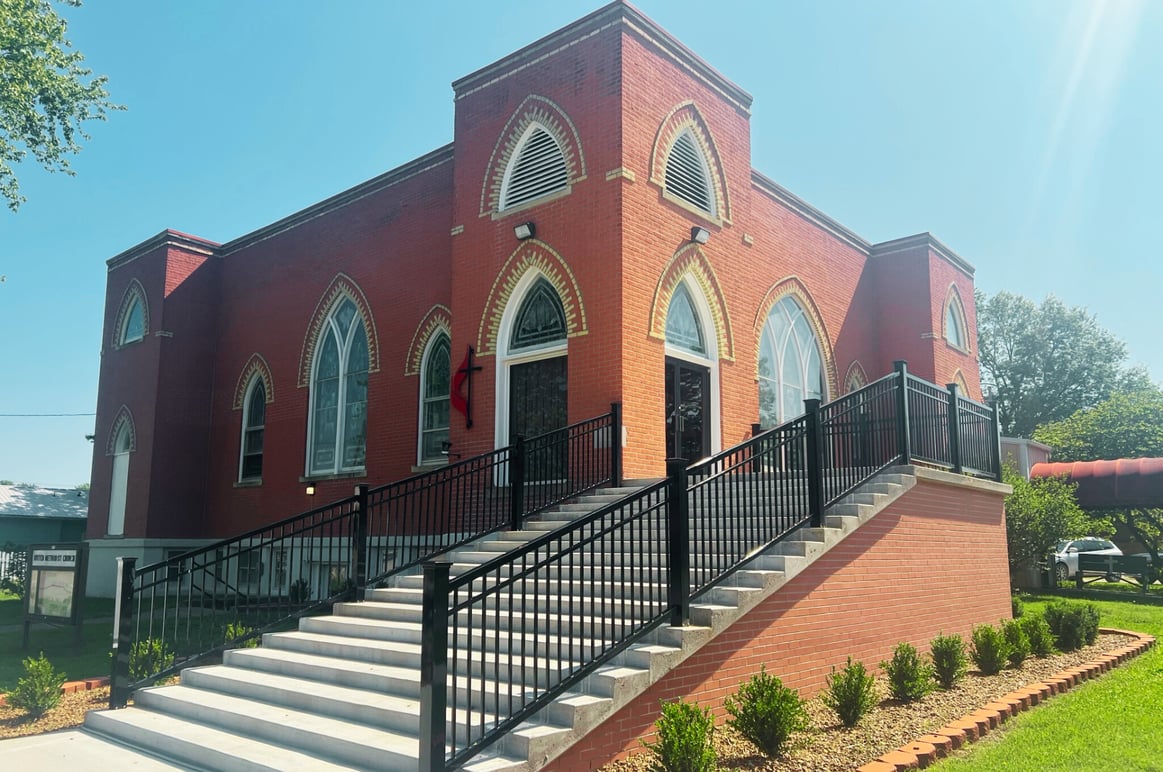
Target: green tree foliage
(1044, 362)
(1039, 512)
(46, 94)
(1127, 425)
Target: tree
(1039, 512)
(46, 94)
(1045, 362)
(1127, 425)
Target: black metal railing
(193, 606)
(503, 640)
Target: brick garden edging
(925, 750)
(68, 687)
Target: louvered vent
(539, 170)
(686, 175)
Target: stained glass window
(434, 399)
(339, 393)
(540, 320)
(682, 323)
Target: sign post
(55, 586)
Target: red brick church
(594, 232)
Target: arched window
(254, 410)
(435, 383)
(120, 449)
(955, 323)
(132, 322)
(134, 328)
(538, 168)
(687, 174)
(682, 323)
(534, 369)
(790, 366)
(338, 432)
(540, 320)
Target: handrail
(550, 612)
(200, 602)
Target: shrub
(684, 739)
(767, 713)
(1017, 640)
(988, 649)
(1073, 624)
(237, 630)
(909, 678)
(39, 691)
(949, 663)
(851, 693)
(1017, 607)
(148, 658)
(1038, 632)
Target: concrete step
(203, 747)
(347, 742)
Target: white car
(1066, 554)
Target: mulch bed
(828, 746)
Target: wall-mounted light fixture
(525, 230)
(310, 488)
(700, 235)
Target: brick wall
(933, 562)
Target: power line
(43, 415)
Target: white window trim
(329, 329)
(953, 305)
(503, 204)
(709, 361)
(255, 380)
(505, 359)
(432, 339)
(777, 364)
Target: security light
(700, 235)
(525, 230)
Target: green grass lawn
(1112, 723)
(57, 643)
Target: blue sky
(1025, 135)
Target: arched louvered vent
(686, 174)
(539, 169)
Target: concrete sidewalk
(75, 750)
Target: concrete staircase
(342, 692)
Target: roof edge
(167, 238)
(809, 212)
(929, 241)
(364, 189)
(617, 11)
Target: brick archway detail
(547, 113)
(532, 255)
(794, 287)
(123, 418)
(691, 260)
(683, 116)
(342, 286)
(855, 378)
(134, 290)
(256, 365)
(438, 319)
